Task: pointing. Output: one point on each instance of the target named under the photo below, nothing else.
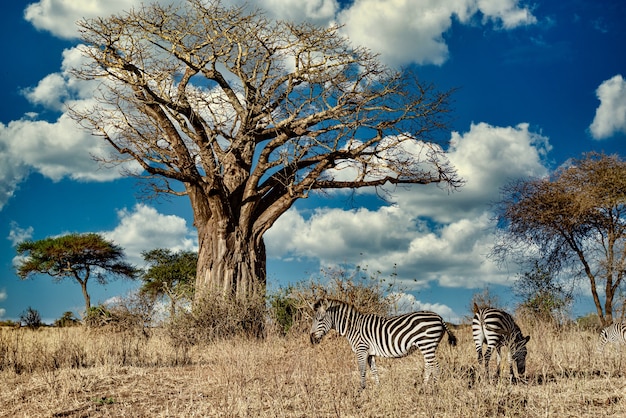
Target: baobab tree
(245, 115)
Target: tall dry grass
(76, 372)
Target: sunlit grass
(72, 372)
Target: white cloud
(144, 229)
(12, 171)
(3, 296)
(611, 114)
(17, 234)
(316, 11)
(55, 149)
(58, 148)
(401, 32)
(406, 302)
(60, 16)
(428, 235)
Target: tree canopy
(170, 274)
(572, 223)
(75, 256)
(245, 115)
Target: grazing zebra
(371, 335)
(497, 328)
(614, 333)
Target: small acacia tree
(245, 115)
(572, 223)
(75, 256)
(170, 274)
(543, 296)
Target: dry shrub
(215, 318)
(369, 293)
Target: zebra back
(614, 333)
(497, 328)
(373, 335)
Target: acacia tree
(573, 223)
(75, 256)
(245, 115)
(170, 274)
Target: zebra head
(518, 353)
(322, 320)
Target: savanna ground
(81, 372)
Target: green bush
(66, 320)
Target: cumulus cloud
(428, 235)
(60, 16)
(611, 114)
(406, 302)
(18, 234)
(58, 148)
(401, 32)
(143, 228)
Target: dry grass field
(76, 372)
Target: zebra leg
(431, 368)
(361, 358)
(479, 350)
(372, 363)
(498, 361)
(487, 358)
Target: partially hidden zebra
(614, 333)
(372, 335)
(497, 329)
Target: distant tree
(245, 115)
(74, 256)
(31, 318)
(66, 320)
(542, 295)
(574, 222)
(485, 299)
(170, 274)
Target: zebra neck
(345, 316)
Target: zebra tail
(451, 336)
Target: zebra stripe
(497, 329)
(614, 333)
(372, 335)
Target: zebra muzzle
(314, 339)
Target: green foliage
(98, 316)
(66, 320)
(589, 322)
(543, 297)
(75, 256)
(169, 274)
(31, 318)
(283, 308)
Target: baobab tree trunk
(230, 263)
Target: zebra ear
(526, 339)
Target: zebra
(372, 335)
(614, 333)
(497, 328)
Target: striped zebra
(614, 333)
(497, 328)
(371, 335)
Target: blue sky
(537, 83)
